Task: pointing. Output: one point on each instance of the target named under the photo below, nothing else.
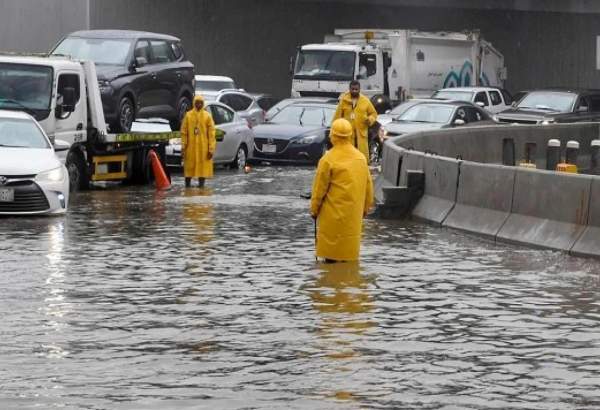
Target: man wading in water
(342, 195)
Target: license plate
(7, 195)
(269, 148)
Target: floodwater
(211, 299)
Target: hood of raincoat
(341, 132)
(198, 97)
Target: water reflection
(199, 213)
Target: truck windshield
(101, 51)
(325, 65)
(21, 133)
(26, 88)
(548, 101)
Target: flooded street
(212, 299)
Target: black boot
(201, 182)
(188, 182)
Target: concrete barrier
(589, 243)
(441, 182)
(549, 209)
(484, 198)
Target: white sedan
(32, 178)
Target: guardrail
(469, 186)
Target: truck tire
(183, 106)
(79, 179)
(125, 116)
(141, 172)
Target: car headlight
(307, 140)
(175, 141)
(104, 86)
(548, 121)
(54, 175)
(495, 118)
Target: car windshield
(25, 87)
(401, 109)
(203, 85)
(21, 133)
(430, 113)
(304, 115)
(325, 65)
(101, 51)
(454, 95)
(548, 101)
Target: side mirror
(68, 103)
(459, 122)
(60, 146)
(480, 104)
(140, 62)
(291, 66)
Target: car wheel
(78, 176)
(125, 117)
(183, 106)
(241, 158)
(374, 152)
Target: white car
(235, 139)
(211, 84)
(32, 178)
(491, 99)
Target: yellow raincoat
(197, 141)
(342, 194)
(361, 115)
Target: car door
(70, 127)
(595, 106)
(144, 83)
(582, 110)
(497, 103)
(227, 133)
(165, 69)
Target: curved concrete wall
(467, 188)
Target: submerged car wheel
(78, 178)
(126, 116)
(241, 158)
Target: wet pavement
(212, 299)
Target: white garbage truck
(395, 65)
(62, 94)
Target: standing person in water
(198, 143)
(342, 195)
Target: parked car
(288, 101)
(32, 178)
(491, 99)
(213, 84)
(141, 75)
(554, 105)
(244, 104)
(234, 139)
(436, 115)
(299, 133)
(398, 110)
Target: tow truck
(63, 95)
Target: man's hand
(210, 155)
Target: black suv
(552, 106)
(141, 75)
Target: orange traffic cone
(160, 176)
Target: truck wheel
(141, 172)
(78, 175)
(183, 106)
(125, 117)
(241, 158)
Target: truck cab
(324, 70)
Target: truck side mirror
(291, 66)
(68, 99)
(140, 62)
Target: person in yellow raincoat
(198, 143)
(342, 194)
(361, 113)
